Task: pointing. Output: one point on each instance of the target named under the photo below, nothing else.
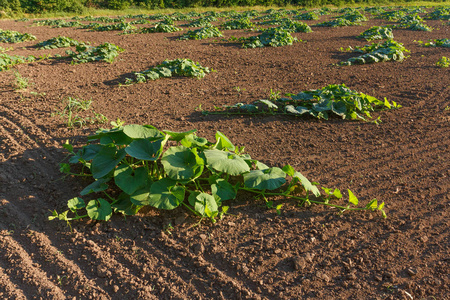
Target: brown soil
(304, 253)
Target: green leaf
(268, 179)
(204, 204)
(106, 160)
(165, 194)
(227, 162)
(373, 204)
(75, 204)
(99, 209)
(129, 180)
(141, 196)
(309, 187)
(124, 205)
(352, 198)
(289, 170)
(223, 189)
(135, 131)
(97, 186)
(178, 136)
(145, 149)
(181, 163)
(223, 142)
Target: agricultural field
(341, 192)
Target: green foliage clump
(167, 169)
(354, 16)
(241, 23)
(439, 13)
(57, 23)
(339, 22)
(7, 61)
(201, 22)
(178, 67)
(160, 28)
(378, 52)
(59, 42)
(9, 36)
(443, 62)
(202, 33)
(122, 26)
(273, 37)
(377, 33)
(394, 15)
(436, 43)
(413, 22)
(310, 15)
(105, 52)
(295, 26)
(321, 103)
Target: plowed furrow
(9, 290)
(184, 268)
(27, 275)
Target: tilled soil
(253, 253)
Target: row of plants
(389, 50)
(10, 36)
(177, 67)
(84, 53)
(134, 166)
(335, 99)
(59, 42)
(7, 61)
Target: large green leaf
(223, 189)
(339, 108)
(99, 209)
(191, 140)
(223, 142)
(129, 180)
(145, 149)
(181, 163)
(106, 160)
(165, 194)
(227, 162)
(97, 186)
(267, 179)
(309, 187)
(141, 196)
(135, 131)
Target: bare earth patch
(304, 253)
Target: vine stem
(304, 199)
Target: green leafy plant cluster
(443, 62)
(201, 22)
(436, 43)
(9, 36)
(57, 23)
(160, 28)
(8, 61)
(276, 21)
(393, 15)
(378, 52)
(354, 16)
(295, 26)
(134, 166)
(202, 33)
(122, 26)
(377, 33)
(77, 112)
(241, 23)
(334, 99)
(339, 22)
(273, 37)
(102, 19)
(439, 13)
(177, 67)
(105, 52)
(413, 22)
(310, 15)
(59, 42)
